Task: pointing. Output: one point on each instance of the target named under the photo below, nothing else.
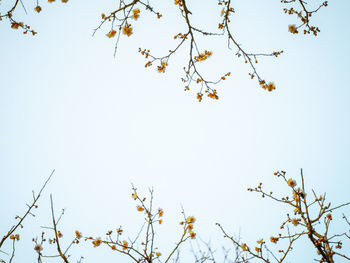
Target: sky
(104, 122)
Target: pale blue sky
(104, 122)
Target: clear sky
(104, 122)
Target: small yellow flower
(160, 212)
(203, 56)
(274, 239)
(17, 236)
(271, 86)
(125, 245)
(296, 211)
(292, 29)
(260, 241)
(213, 95)
(97, 242)
(190, 219)
(158, 254)
(127, 30)
(244, 247)
(78, 234)
(295, 221)
(140, 208)
(59, 234)
(38, 248)
(51, 1)
(136, 13)
(192, 235)
(38, 8)
(134, 196)
(111, 33)
(291, 182)
(14, 25)
(119, 231)
(161, 68)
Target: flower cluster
(306, 216)
(203, 56)
(270, 86)
(162, 66)
(188, 226)
(127, 30)
(304, 15)
(15, 237)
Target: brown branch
(62, 255)
(30, 207)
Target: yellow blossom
(125, 245)
(38, 8)
(119, 231)
(190, 219)
(134, 196)
(127, 30)
(158, 254)
(292, 29)
(274, 239)
(260, 241)
(38, 248)
(78, 234)
(111, 33)
(244, 247)
(213, 95)
(14, 25)
(97, 242)
(291, 183)
(161, 68)
(136, 13)
(203, 56)
(192, 235)
(295, 221)
(140, 208)
(271, 86)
